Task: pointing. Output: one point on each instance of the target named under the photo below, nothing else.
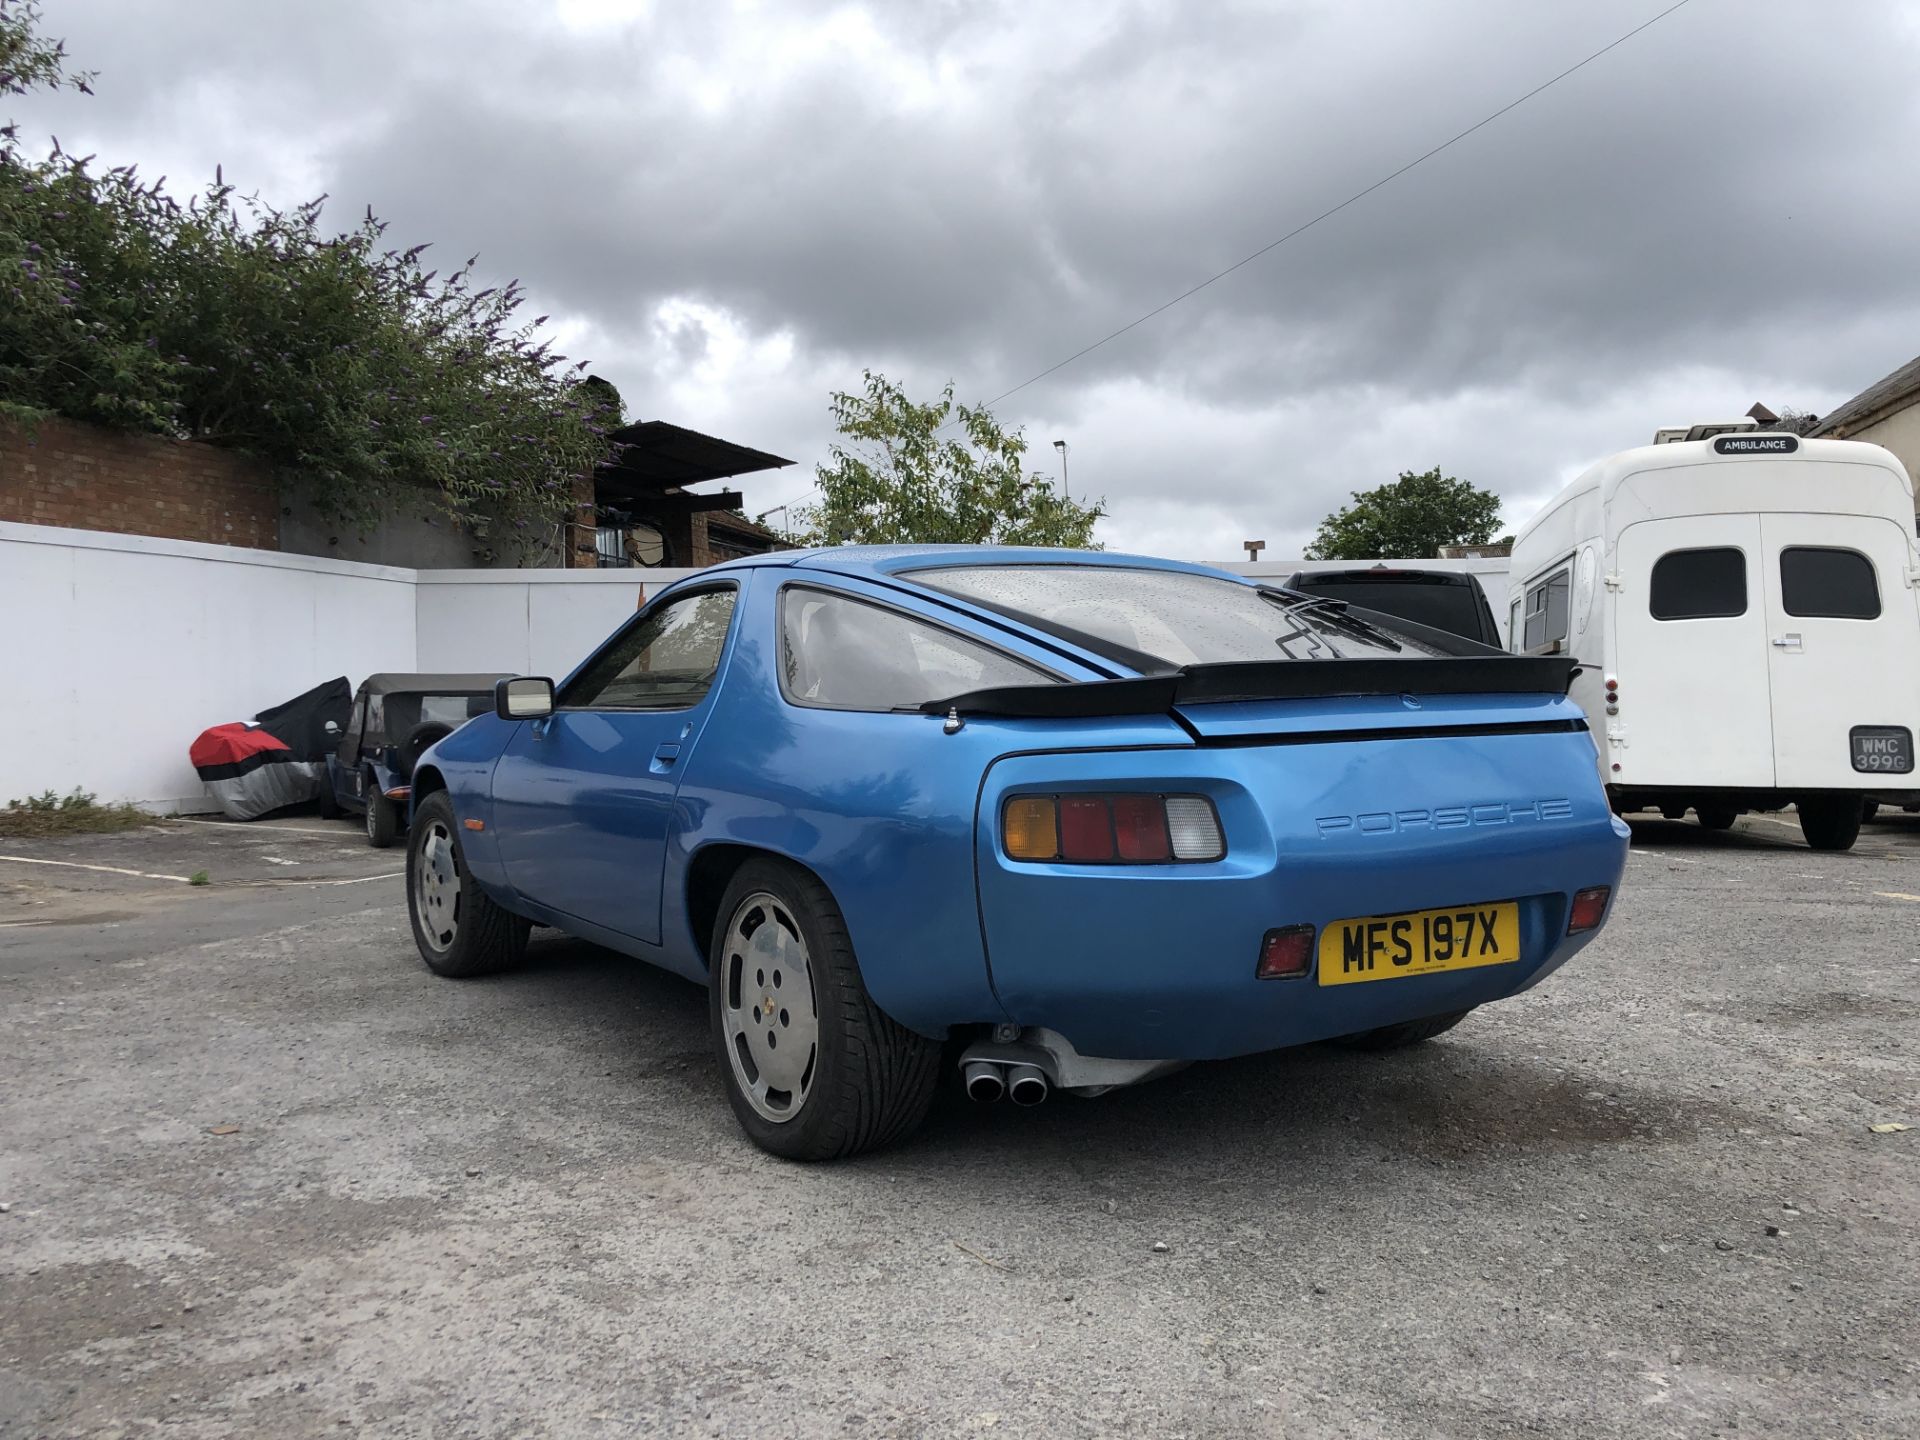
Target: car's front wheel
(459, 929)
(814, 1069)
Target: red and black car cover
(249, 771)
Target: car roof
(1384, 572)
(395, 682)
(884, 560)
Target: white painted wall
(528, 622)
(117, 650)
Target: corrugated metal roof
(654, 455)
(1882, 395)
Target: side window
(845, 654)
(667, 661)
(1699, 584)
(1839, 584)
(349, 748)
(1546, 614)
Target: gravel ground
(263, 1174)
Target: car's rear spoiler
(1490, 674)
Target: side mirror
(526, 697)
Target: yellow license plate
(1419, 942)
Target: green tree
(896, 479)
(1411, 519)
(358, 373)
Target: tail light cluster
(1119, 828)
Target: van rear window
(1817, 580)
(1706, 584)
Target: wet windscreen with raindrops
(1175, 617)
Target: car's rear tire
(383, 822)
(1716, 817)
(1408, 1032)
(850, 1078)
(461, 932)
(1830, 822)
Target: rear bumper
(1157, 961)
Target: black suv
(1449, 600)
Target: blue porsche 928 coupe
(1070, 820)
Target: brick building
(637, 510)
(641, 511)
(59, 472)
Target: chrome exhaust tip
(984, 1082)
(1027, 1084)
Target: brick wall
(64, 473)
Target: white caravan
(1745, 610)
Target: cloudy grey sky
(733, 208)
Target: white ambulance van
(1745, 607)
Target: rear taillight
(1100, 828)
(1589, 909)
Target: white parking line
(270, 829)
(1897, 895)
(102, 869)
(21, 924)
(303, 880)
(1665, 855)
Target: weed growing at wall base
(75, 813)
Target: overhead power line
(1357, 196)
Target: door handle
(1789, 641)
(664, 756)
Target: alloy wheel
(767, 1008)
(436, 887)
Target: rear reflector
(1285, 954)
(1589, 909)
(1111, 828)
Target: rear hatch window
(1446, 602)
(1157, 621)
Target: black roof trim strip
(1490, 674)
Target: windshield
(1173, 617)
(392, 717)
(1444, 603)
